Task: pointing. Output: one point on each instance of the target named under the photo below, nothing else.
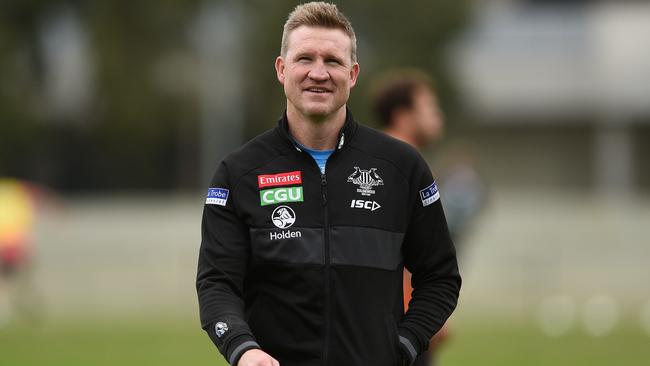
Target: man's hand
(257, 357)
(441, 337)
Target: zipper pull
(323, 187)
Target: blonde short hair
(318, 14)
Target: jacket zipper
(326, 251)
(326, 257)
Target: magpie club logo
(366, 180)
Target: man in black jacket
(307, 228)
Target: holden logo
(366, 180)
(283, 217)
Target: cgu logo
(279, 195)
(368, 205)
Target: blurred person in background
(327, 290)
(17, 214)
(407, 106)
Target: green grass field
(525, 345)
(178, 342)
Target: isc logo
(368, 205)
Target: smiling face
(317, 72)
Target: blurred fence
(104, 255)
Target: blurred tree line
(133, 122)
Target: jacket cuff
(408, 346)
(237, 346)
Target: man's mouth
(318, 90)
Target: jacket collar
(345, 134)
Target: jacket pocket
(394, 341)
(293, 245)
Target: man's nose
(319, 72)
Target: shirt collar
(344, 136)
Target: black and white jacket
(308, 266)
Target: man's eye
(333, 62)
(303, 59)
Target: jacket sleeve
(223, 258)
(430, 256)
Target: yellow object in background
(16, 212)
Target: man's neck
(319, 134)
(393, 132)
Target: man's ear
(279, 69)
(354, 74)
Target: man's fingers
(257, 357)
(270, 362)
